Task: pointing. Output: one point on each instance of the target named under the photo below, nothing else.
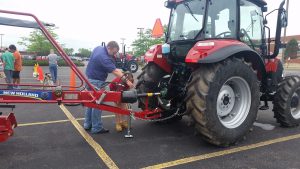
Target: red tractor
(126, 62)
(216, 66)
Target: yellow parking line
(222, 153)
(99, 150)
(40, 123)
(57, 121)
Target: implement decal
(39, 95)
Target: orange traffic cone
(41, 74)
(72, 87)
(72, 80)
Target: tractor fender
(212, 51)
(226, 52)
(154, 54)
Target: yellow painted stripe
(99, 150)
(41, 123)
(57, 121)
(150, 94)
(222, 153)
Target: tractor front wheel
(133, 66)
(287, 102)
(223, 98)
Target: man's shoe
(102, 131)
(87, 129)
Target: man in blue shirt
(100, 64)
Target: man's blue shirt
(100, 64)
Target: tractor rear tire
(148, 81)
(223, 99)
(287, 102)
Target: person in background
(118, 85)
(17, 66)
(8, 64)
(2, 75)
(100, 64)
(52, 58)
(143, 60)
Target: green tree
(291, 49)
(37, 42)
(144, 41)
(69, 51)
(84, 52)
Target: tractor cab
(199, 20)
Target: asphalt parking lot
(51, 136)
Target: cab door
(251, 25)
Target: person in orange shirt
(17, 65)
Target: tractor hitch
(131, 96)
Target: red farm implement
(61, 94)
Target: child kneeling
(118, 84)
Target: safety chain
(149, 120)
(156, 120)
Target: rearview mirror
(170, 4)
(284, 19)
(264, 9)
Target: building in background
(287, 39)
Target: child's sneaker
(119, 127)
(124, 124)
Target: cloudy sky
(85, 24)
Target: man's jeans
(92, 118)
(8, 74)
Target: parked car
(41, 58)
(76, 58)
(27, 57)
